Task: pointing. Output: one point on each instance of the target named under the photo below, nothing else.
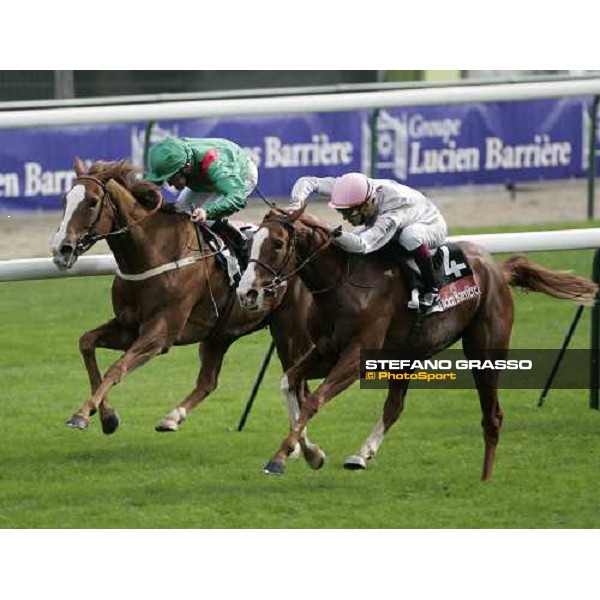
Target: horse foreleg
(155, 337)
(294, 396)
(345, 372)
(211, 357)
(111, 335)
(295, 390)
(392, 409)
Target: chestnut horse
(169, 290)
(364, 303)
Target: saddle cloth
(225, 249)
(452, 274)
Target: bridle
(88, 238)
(278, 276)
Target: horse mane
(126, 174)
(312, 221)
(305, 218)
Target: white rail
(43, 268)
(532, 241)
(567, 239)
(296, 104)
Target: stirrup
(430, 298)
(414, 301)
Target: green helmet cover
(166, 158)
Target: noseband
(278, 277)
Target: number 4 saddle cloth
(453, 277)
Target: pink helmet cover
(351, 189)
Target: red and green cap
(166, 158)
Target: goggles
(349, 213)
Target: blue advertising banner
(424, 147)
(36, 164)
(484, 143)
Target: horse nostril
(66, 249)
(252, 295)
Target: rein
(88, 238)
(278, 278)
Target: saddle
(231, 244)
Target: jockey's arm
(306, 186)
(187, 201)
(231, 197)
(371, 238)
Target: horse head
(94, 205)
(280, 248)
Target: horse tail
(520, 272)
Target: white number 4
(452, 268)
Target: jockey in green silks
(214, 175)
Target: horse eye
(278, 244)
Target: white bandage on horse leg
(371, 445)
(293, 410)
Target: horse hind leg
(211, 358)
(392, 409)
(488, 340)
(492, 417)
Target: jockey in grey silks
(381, 210)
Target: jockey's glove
(336, 231)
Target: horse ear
(115, 189)
(295, 214)
(79, 167)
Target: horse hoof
(78, 422)
(316, 460)
(110, 424)
(355, 463)
(274, 468)
(166, 426)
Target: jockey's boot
(237, 240)
(430, 294)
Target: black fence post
(561, 355)
(374, 143)
(257, 382)
(147, 137)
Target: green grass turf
(209, 476)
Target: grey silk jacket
(397, 207)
